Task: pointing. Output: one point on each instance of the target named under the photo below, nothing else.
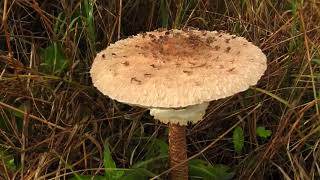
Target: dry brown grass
(56, 124)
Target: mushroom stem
(178, 151)
(178, 119)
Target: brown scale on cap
(231, 70)
(185, 30)
(194, 39)
(154, 54)
(216, 58)
(155, 66)
(126, 63)
(152, 36)
(200, 65)
(178, 45)
(210, 40)
(135, 80)
(147, 75)
(177, 35)
(187, 72)
(228, 49)
(204, 33)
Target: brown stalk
(5, 27)
(178, 152)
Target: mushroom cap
(177, 68)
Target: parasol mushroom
(175, 74)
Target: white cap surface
(174, 69)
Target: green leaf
(131, 174)
(135, 174)
(54, 60)
(164, 13)
(10, 163)
(59, 26)
(89, 22)
(199, 169)
(156, 148)
(111, 171)
(262, 132)
(18, 114)
(8, 159)
(160, 146)
(316, 61)
(3, 124)
(157, 154)
(238, 139)
(79, 177)
(144, 164)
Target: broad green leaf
(161, 146)
(238, 139)
(157, 153)
(10, 163)
(111, 171)
(8, 159)
(156, 148)
(54, 60)
(144, 164)
(249, 92)
(132, 174)
(316, 61)
(18, 114)
(88, 177)
(262, 132)
(137, 174)
(199, 169)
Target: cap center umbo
(179, 45)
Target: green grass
(55, 124)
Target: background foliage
(55, 125)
